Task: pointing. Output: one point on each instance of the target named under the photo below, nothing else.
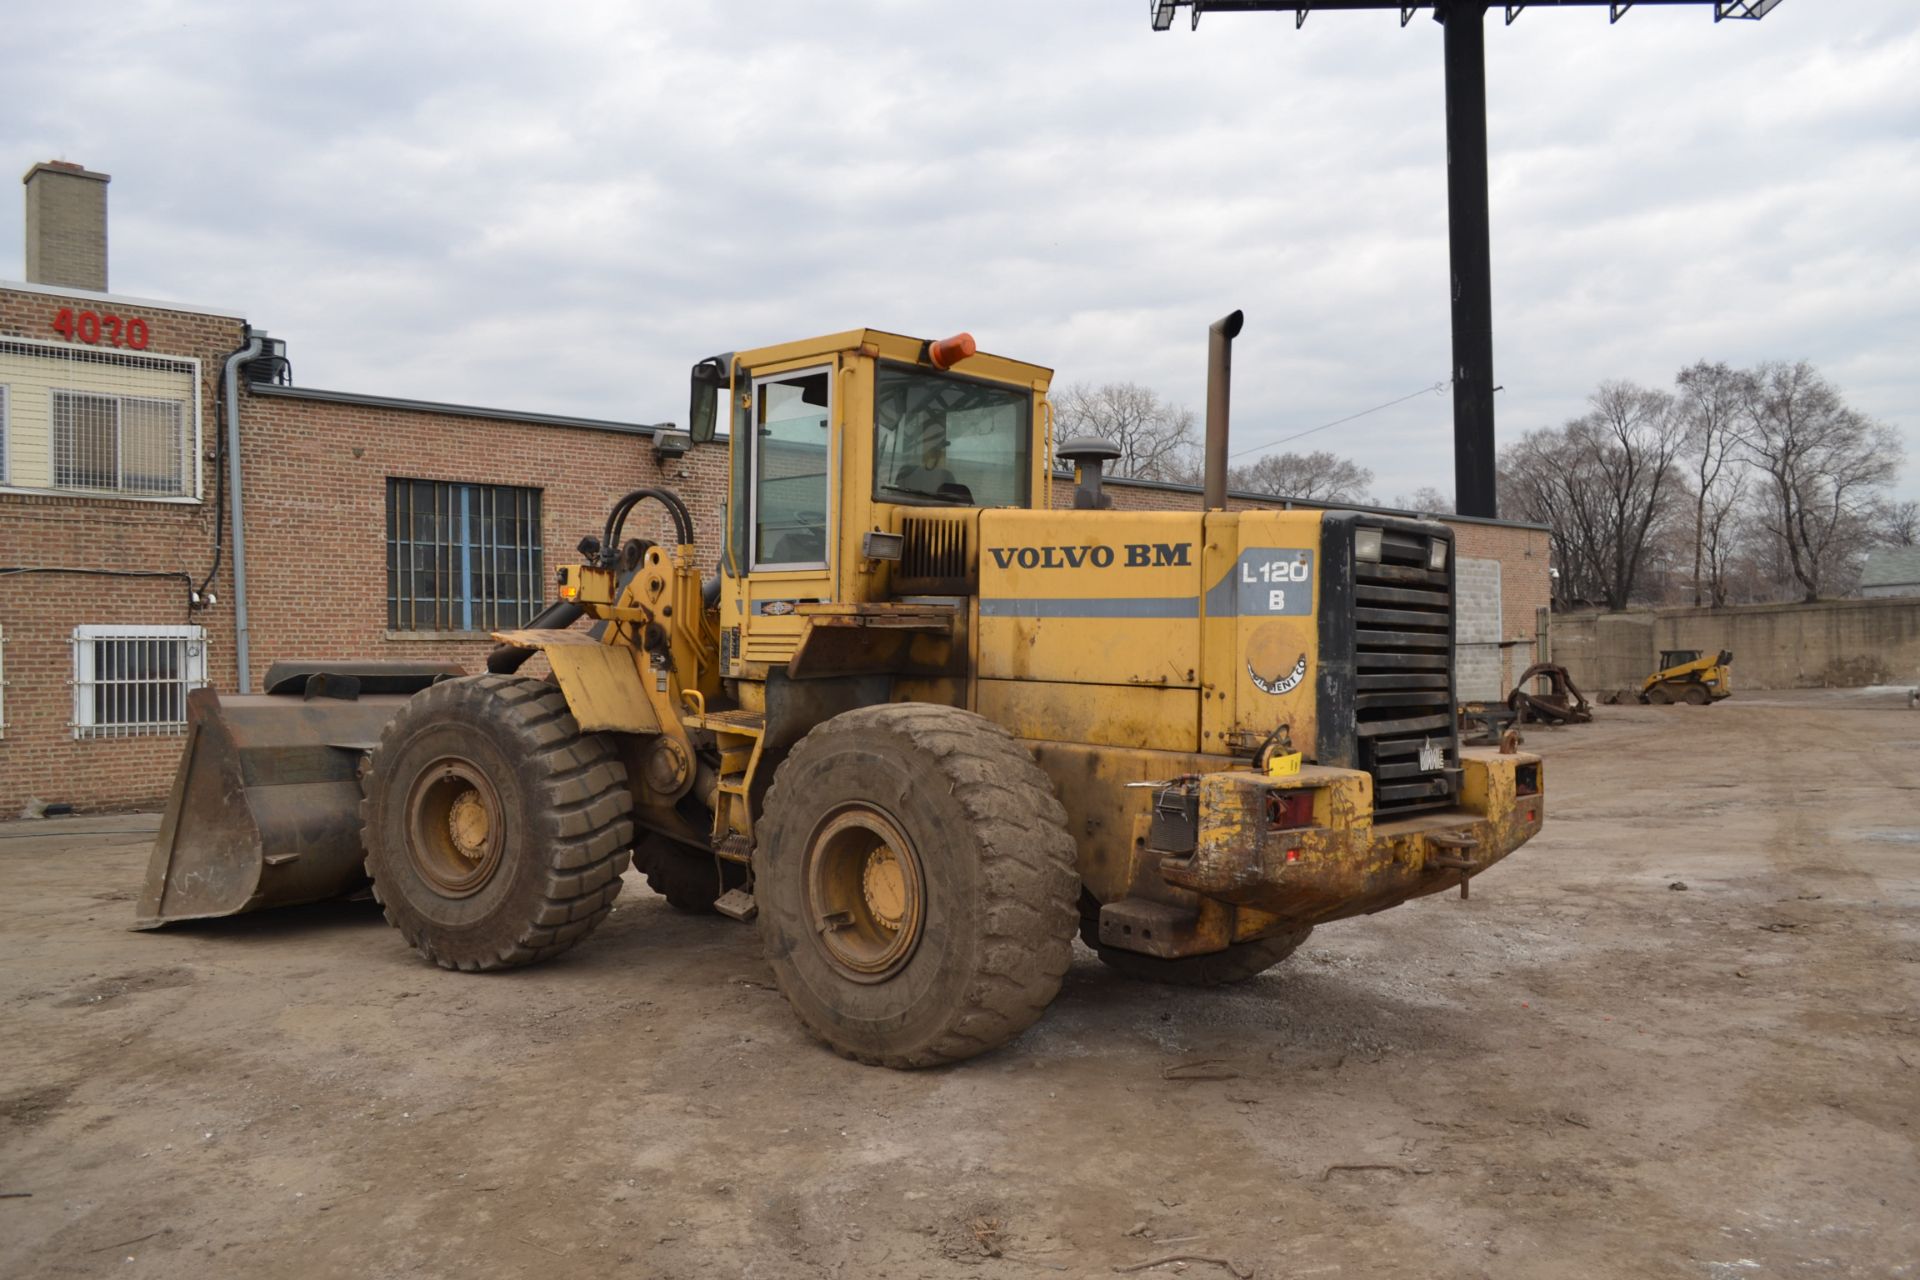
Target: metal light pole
(1469, 233)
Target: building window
(130, 681)
(462, 557)
(98, 422)
(3, 674)
(125, 444)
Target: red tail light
(1290, 808)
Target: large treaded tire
(1237, 963)
(689, 881)
(998, 866)
(565, 804)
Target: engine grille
(936, 557)
(1402, 676)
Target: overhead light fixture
(1162, 14)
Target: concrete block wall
(1477, 629)
(1831, 644)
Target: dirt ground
(1677, 1035)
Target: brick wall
(315, 479)
(316, 493)
(66, 225)
(39, 756)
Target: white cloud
(559, 209)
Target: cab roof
(895, 346)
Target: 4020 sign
(95, 329)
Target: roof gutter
(231, 385)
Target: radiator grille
(1403, 694)
(936, 556)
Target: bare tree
(1602, 484)
(1157, 440)
(1897, 524)
(1319, 476)
(1824, 466)
(1711, 397)
(1427, 500)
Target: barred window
(127, 444)
(130, 681)
(462, 557)
(98, 421)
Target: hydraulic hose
(617, 518)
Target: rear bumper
(1343, 864)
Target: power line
(1435, 389)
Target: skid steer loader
(921, 725)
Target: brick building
(370, 527)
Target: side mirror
(711, 378)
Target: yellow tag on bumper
(1284, 766)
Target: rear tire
(496, 832)
(1237, 963)
(1696, 695)
(916, 885)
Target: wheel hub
(455, 831)
(865, 893)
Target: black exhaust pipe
(1220, 336)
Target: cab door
(792, 459)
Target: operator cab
(840, 442)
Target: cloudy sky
(560, 206)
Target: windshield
(940, 438)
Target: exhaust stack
(1220, 336)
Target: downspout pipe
(231, 386)
(1220, 336)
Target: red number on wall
(88, 326)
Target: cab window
(791, 419)
(941, 438)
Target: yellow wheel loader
(1686, 675)
(922, 726)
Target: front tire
(496, 832)
(1238, 963)
(916, 885)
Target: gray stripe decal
(1110, 607)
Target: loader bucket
(265, 807)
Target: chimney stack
(66, 225)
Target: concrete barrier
(1832, 644)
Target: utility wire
(1435, 389)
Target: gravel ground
(1677, 1035)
